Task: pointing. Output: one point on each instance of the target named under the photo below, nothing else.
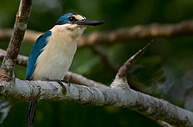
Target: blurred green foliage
(165, 70)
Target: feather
(35, 52)
(54, 62)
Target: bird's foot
(61, 81)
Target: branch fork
(27, 90)
(121, 76)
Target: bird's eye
(71, 18)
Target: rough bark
(125, 98)
(20, 26)
(75, 78)
(79, 79)
(164, 124)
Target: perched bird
(53, 52)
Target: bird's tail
(31, 113)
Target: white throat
(70, 30)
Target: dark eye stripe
(72, 18)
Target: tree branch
(75, 78)
(139, 32)
(121, 35)
(145, 104)
(72, 77)
(104, 57)
(79, 79)
(163, 124)
(120, 78)
(82, 80)
(20, 26)
(30, 35)
(21, 60)
(127, 65)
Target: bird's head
(73, 22)
(73, 18)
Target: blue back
(35, 52)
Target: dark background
(164, 71)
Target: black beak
(90, 22)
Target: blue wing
(35, 52)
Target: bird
(52, 53)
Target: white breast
(56, 58)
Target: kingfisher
(53, 52)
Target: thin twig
(105, 58)
(126, 66)
(20, 26)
